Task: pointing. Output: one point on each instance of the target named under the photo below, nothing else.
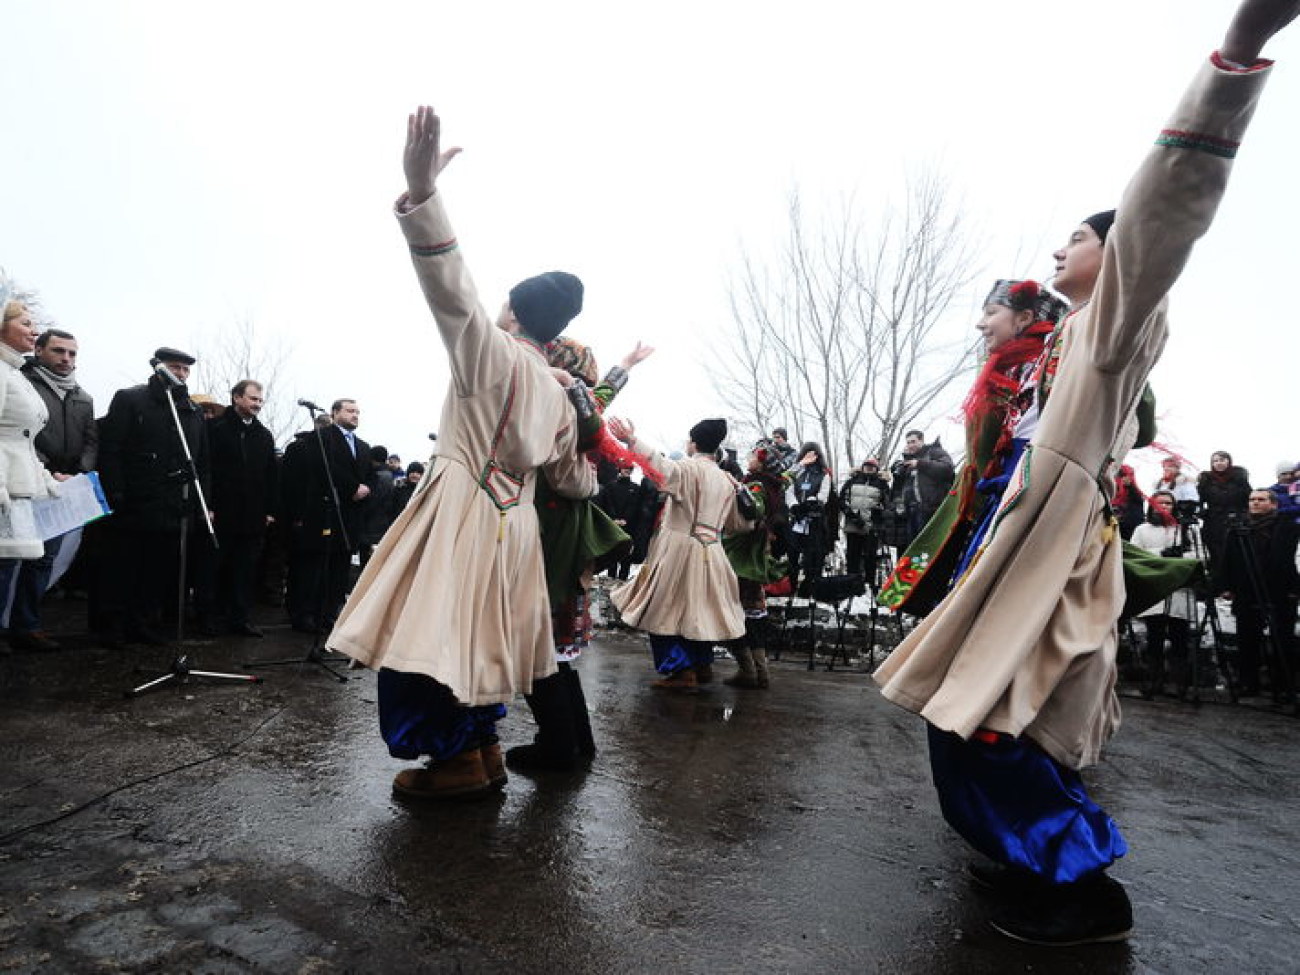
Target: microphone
(310, 405)
(161, 369)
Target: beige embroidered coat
(456, 588)
(687, 587)
(1027, 643)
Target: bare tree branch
(841, 338)
(234, 352)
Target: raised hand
(620, 429)
(423, 158)
(1254, 23)
(639, 354)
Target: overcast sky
(170, 169)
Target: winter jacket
(69, 444)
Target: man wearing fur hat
(685, 596)
(452, 608)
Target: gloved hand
(745, 504)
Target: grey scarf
(62, 385)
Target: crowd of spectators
(289, 526)
(190, 482)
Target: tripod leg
(250, 678)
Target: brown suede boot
(683, 680)
(745, 675)
(760, 667)
(461, 777)
(494, 765)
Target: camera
(1187, 512)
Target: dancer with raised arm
(685, 597)
(452, 608)
(1015, 669)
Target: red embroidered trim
(434, 250)
(1216, 59)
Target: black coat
(621, 500)
(928, 484)
(141, 460)
(1219, 498)
(1271, 546)
(305, 490)
(245, 474)
(379, 510)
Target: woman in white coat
(22, 417)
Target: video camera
(1187, 512)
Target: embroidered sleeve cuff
(1223, 64)
(616, 378)
(427, 227)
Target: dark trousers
(861, 554)
(236, 576)
(140, 577)
(807, 552)
(33, 578)
(1250, 644)
(1177, 631)
(318, 585)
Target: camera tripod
(1259, 607)
(1203, 619)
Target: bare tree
(846, 336)
(233, 352)
(31, 299)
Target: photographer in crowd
(1168, 532)
(862, 501)
(922, 476)
(806, 497)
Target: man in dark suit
(319, 466)
(245, 492)
(1258, 573)
(149, 485)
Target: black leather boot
(555, 746)
(581, 717)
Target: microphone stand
(316, 653)
(181, 670)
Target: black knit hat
(1101, 223)
(708, 435)
(544, 305)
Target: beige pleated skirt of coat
(1026, 643)
(687, 586)
(456, 589)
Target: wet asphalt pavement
(235, 828)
